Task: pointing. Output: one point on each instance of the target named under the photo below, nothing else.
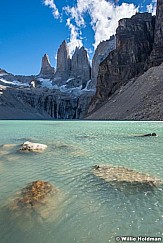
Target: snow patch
(69, 80)
(86, 87)
(3, 74)
(46, 83)
(15, 83)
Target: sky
(31, 28)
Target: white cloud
(75, 39)
(104, 17)
(151, 8)
(52, 5)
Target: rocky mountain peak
(80, 66)
(46, 69)
(63, 58)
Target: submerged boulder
(34, 194)
(120, 175)
(38, 201)
(33, 147)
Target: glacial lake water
(89, 210)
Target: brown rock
(35, 194)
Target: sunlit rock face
(157, 53)
(101, 52)
(47, 71)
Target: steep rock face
(80, 66)
(63, 64)
(12, 107)
(77, 68)
(140, 99)
(134, 40)
(47, 71)
(157, 53)
(54, 103)
(101, 52)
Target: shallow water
(90, 210)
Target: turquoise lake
(88, 209)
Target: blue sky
(31, 28)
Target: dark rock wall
(134, 42)
(55, 104)
(157, 53)
(101, 52)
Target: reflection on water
(88, 209)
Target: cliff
(139, 99)
(156, 57)
(41, 103)
(63, 69)
(134, 42)
(80, 66)
(101, 52)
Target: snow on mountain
(13, 83)
(46, 83)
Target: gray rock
(156, 57)
(47, 71)
(63, 64)
(80, 66)
(101, 52)
(134, 40)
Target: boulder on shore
(117, 175)
(33, 147)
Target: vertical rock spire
(46, 69)
(63, 58)
(80, 66)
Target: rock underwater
(123, 176)
(34, 194)
(38, 201)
